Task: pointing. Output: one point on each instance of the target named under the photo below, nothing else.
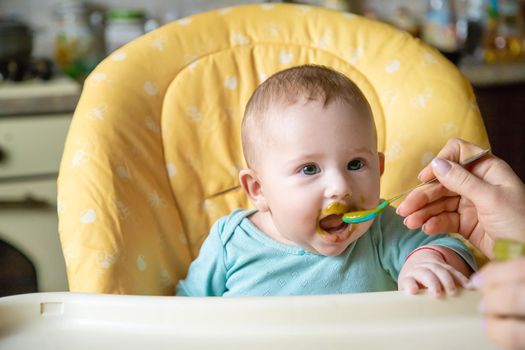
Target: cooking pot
(16, 40)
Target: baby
(310, 144)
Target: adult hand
(484, 202)
(502, 286)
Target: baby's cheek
(366, 202)
(362, 228)
(299, 213)
(370, 199)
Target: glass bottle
(77, 50)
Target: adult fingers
(507, 332)
(497, 273)
(443, 205)
(444, 222)
(421, 197)
(457, 179)
(504, 300)
(503, 287)
(454, 150)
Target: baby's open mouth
(333, 224)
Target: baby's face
(320, 162)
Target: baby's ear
(252, 186)
(381, 156)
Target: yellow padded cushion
(156, 134)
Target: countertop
(484, 75)
(60, 94)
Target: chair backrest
(155, 135)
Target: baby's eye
(355, 164)
(310, 169)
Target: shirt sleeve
(207, 273)
(396, 242)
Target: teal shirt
(237, 259)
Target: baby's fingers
(409, 285)
(448, 278)
(427, 278)
(461, 278)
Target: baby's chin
(333, 250)
(328, 245)
(335, 244)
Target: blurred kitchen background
(47, 47)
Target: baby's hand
(426, 269)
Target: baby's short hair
(292, 85)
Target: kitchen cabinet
(28, 222)
(503, 111)
(33, 125)
(500, 93)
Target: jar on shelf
(504, 39)
(77, 49)
(123, 26)
(440, 28)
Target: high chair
(154, 144)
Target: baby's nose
(338, 187)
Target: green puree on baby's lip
(506, 249)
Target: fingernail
(405, 221)
(424, 228)
(440, 166)
(476, 280)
